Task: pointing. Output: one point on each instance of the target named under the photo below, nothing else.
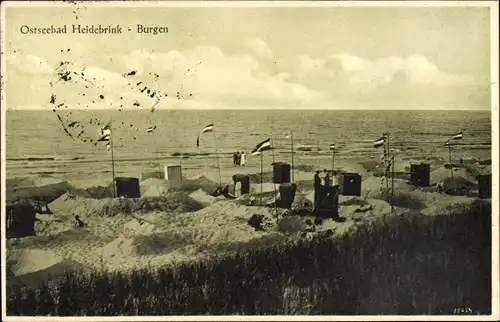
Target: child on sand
(79, 222)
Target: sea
(63, 143)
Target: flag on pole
(380, 142)
(105, 136)
(151, 129)
(262, 146)
(105, 133)
(332, 146)
(457, 136)
(208, 128)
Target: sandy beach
(190, 224)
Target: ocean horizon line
(246, 109)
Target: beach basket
(281, 172)
(420, 174)
(21, 219)
(328, 202)
(350, 184)
(127, 187)
(287, 194)
(245, 183)
(484, 186)
(173, 173)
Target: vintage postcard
(249, 160)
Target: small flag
(105, 133)
(108, 146)
(380, 142)
(151, 129)
(208, 128)
(332, 146)
(457, 136)
(447, 143)
(262, 146)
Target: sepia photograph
(212, 160)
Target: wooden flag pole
(156, 152)
(386, 170)
(261, 171)
(392, 185)
(292, 148)
(385, 165)
(333, 162)
(274, 185)
(156, 146)
(449, 158)
(217, 156)
(112, 156)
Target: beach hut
(21, 219)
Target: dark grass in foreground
(418, 265)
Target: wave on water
(479, 147)
(444, 134)
(190, 154)
(58, 158)
(47, 173)
(32, 159)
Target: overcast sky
(337, 57)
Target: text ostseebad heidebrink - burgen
(92, 29)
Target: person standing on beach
(317, 190)
(323, 177)
(242, 161)
(238, 158)
(327, 180)
(234, 159)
